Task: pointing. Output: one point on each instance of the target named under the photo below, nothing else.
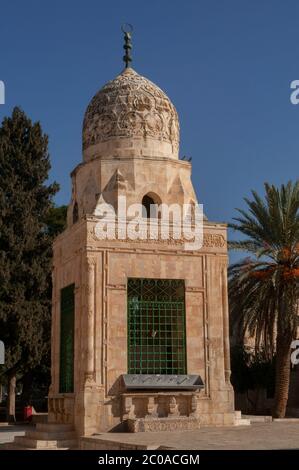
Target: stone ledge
(180, 423)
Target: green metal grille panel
(67, 326)
(156, 326)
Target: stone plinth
(160, 411)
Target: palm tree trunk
(282, 376)
(11, 398)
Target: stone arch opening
(150, 201)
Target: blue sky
(226, 65)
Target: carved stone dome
(130, 116)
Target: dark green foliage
(26, 211)
(56, 220)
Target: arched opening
(149, 206)
(75, 213)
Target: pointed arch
(150, 201)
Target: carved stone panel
(130, 106)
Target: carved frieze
(213, 240)
(210, 240)
(130, 106)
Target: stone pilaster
(225, 318)
(90, 317)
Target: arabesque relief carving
(210, 240)
(130, 106)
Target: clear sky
(226, 65)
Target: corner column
(91, 399)
(90, 315)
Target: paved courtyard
(276, 435)
(8, 432)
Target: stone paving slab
(275, 435)
(9, 431)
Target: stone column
(225, 319)
(90, 314)
(91, 396)
(55, 342)
(54, 334)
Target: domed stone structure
(130, 115)
(130, 147)
(133, 306)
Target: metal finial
(127, 29)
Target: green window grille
(156, 326)
(67, 327)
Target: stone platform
(45, 436)
(259, 436)
(282, 434)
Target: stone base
(46, 436)
(180, 423)
(240, 420)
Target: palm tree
(264, 288)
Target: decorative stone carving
(173, 407)
(130, 106)
(152, 407)
(213, 240)
(160, 411)
(176, 423)
(210, 240)
(61, 409)
(128, 408)
(89, 380)
(194, 406)
(90, 278)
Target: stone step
(239, 420)
(258, 418)
(26, 442)
(286, 420)
(50, 436)
(14, 446)
(54, 427)
(98, 443)
(242, 422)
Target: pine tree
(39, 377)
(25, 245)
